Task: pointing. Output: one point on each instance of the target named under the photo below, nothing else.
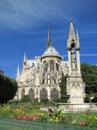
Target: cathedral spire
(18, 70)
(49, 43)
(72, 33)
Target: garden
(28, 115)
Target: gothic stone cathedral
(40, 77)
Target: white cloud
(24, 13)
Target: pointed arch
(78, 86)
(43, 94)
(31, 94)
(51, 65)
(73, 86)
(54, 94)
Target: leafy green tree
(89, 74)
(63, 87)
(8, 88)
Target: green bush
(26, 98)
(87, 98)
(35, 100)
(62, 100)
(51, 104)
(45, 101)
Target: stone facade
(40, 76)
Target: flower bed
(33, 113)
(27, 117)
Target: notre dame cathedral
(40, 76)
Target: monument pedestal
(67, 107)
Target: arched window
(54, 80)
(57, 67)
(43, 94)
(46, 67)
(31, 94)
(51, 65)
(22, 93)
(54, 94)
(43, 81)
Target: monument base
(67, 107)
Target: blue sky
(24, 24)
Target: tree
(8, 88)
(63, 87)
(89, 75)
(1, 71)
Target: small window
(57, 67)
(46, 67)
(43, 81)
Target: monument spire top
(72, 33)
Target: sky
(24, 28)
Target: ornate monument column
(75, 85)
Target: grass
(9, 124)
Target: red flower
(83, 123)
(27, 118)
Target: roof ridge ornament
(25, 57)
